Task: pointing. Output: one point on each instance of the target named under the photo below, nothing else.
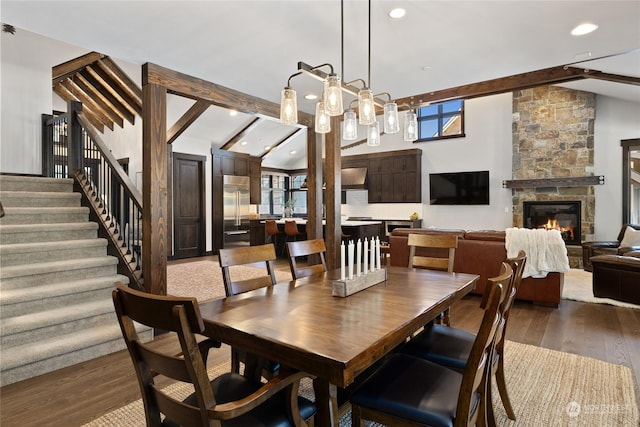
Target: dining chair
(408, 390)
(229, 399)
(451, 347)
(261, 255)
(307, 248)
(437, 253)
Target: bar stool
(272, 230)
(291, 230)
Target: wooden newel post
(74, 135)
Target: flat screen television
(459, 188)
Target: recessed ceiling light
(425, 67)
(583, 29)
(292, 152)
(267, 147)
(233, 113)
(397, 13)
(243, 142)
(311, 96)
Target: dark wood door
(188, 205)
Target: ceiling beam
(115, 91)
(244, 132)
(99, 98)
(190, 116)
(123, 82)
(195, 88)
(282, 141)
(66, 69)
(617, 78)
(553, 75)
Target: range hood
(354, 179)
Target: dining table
(301, 325)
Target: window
(273, 189)
(298, 195)
(441, 121)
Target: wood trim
(554, 182)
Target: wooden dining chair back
(260, 255)
(309, 249)
(229, 396)
(411, 391)
(445, 242)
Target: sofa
(482, 253)
(607, 247)
(617, 276)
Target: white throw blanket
(546, 251)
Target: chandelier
(331, 103)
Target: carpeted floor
(203, 279)
(578, 287)
(547, 388)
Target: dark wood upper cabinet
(392, 176)
(239, 164)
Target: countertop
(303, 221)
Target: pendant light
(288, 106)
(391, 122)
(333, 95)
(350, 126)
(410, 126)
(323, 120)
(366, 106)
(373, 135)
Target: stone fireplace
(553, 131)
(562, 216)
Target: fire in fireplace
(559, 215)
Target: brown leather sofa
(605, 247)
(482, 253)
(617, 276)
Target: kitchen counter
(345, 223)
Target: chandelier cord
(342, 39)
(369, 61)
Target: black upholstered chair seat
(413, 389)
(231, 387)
(442, 345)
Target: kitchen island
(354, 229)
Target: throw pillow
(631, 238)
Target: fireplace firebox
(560, 215)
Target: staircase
(55, 280)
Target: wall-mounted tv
(459, 188)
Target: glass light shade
(350, 126)
(323, 120)
(391, 122)
(288, 107)
(366, 107)
(373, 135)
(410, 126)
(333, 95)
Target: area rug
(547, 388)
(578, 287)
(203, 279)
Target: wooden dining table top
(301, 325)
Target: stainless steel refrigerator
(236, 211)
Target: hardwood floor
(81, 393)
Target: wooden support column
(154, 179)
(314, 185)
(333, 178)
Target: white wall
(486, 146)
(615, 120)
(25, 85)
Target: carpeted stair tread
(34, 233)
(13, 357)
(45, 215)
(39, 199)
(27, 253)
(35, 183)
(55, 266)
(54, 317)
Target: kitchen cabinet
(239, 164)
(395, 177)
